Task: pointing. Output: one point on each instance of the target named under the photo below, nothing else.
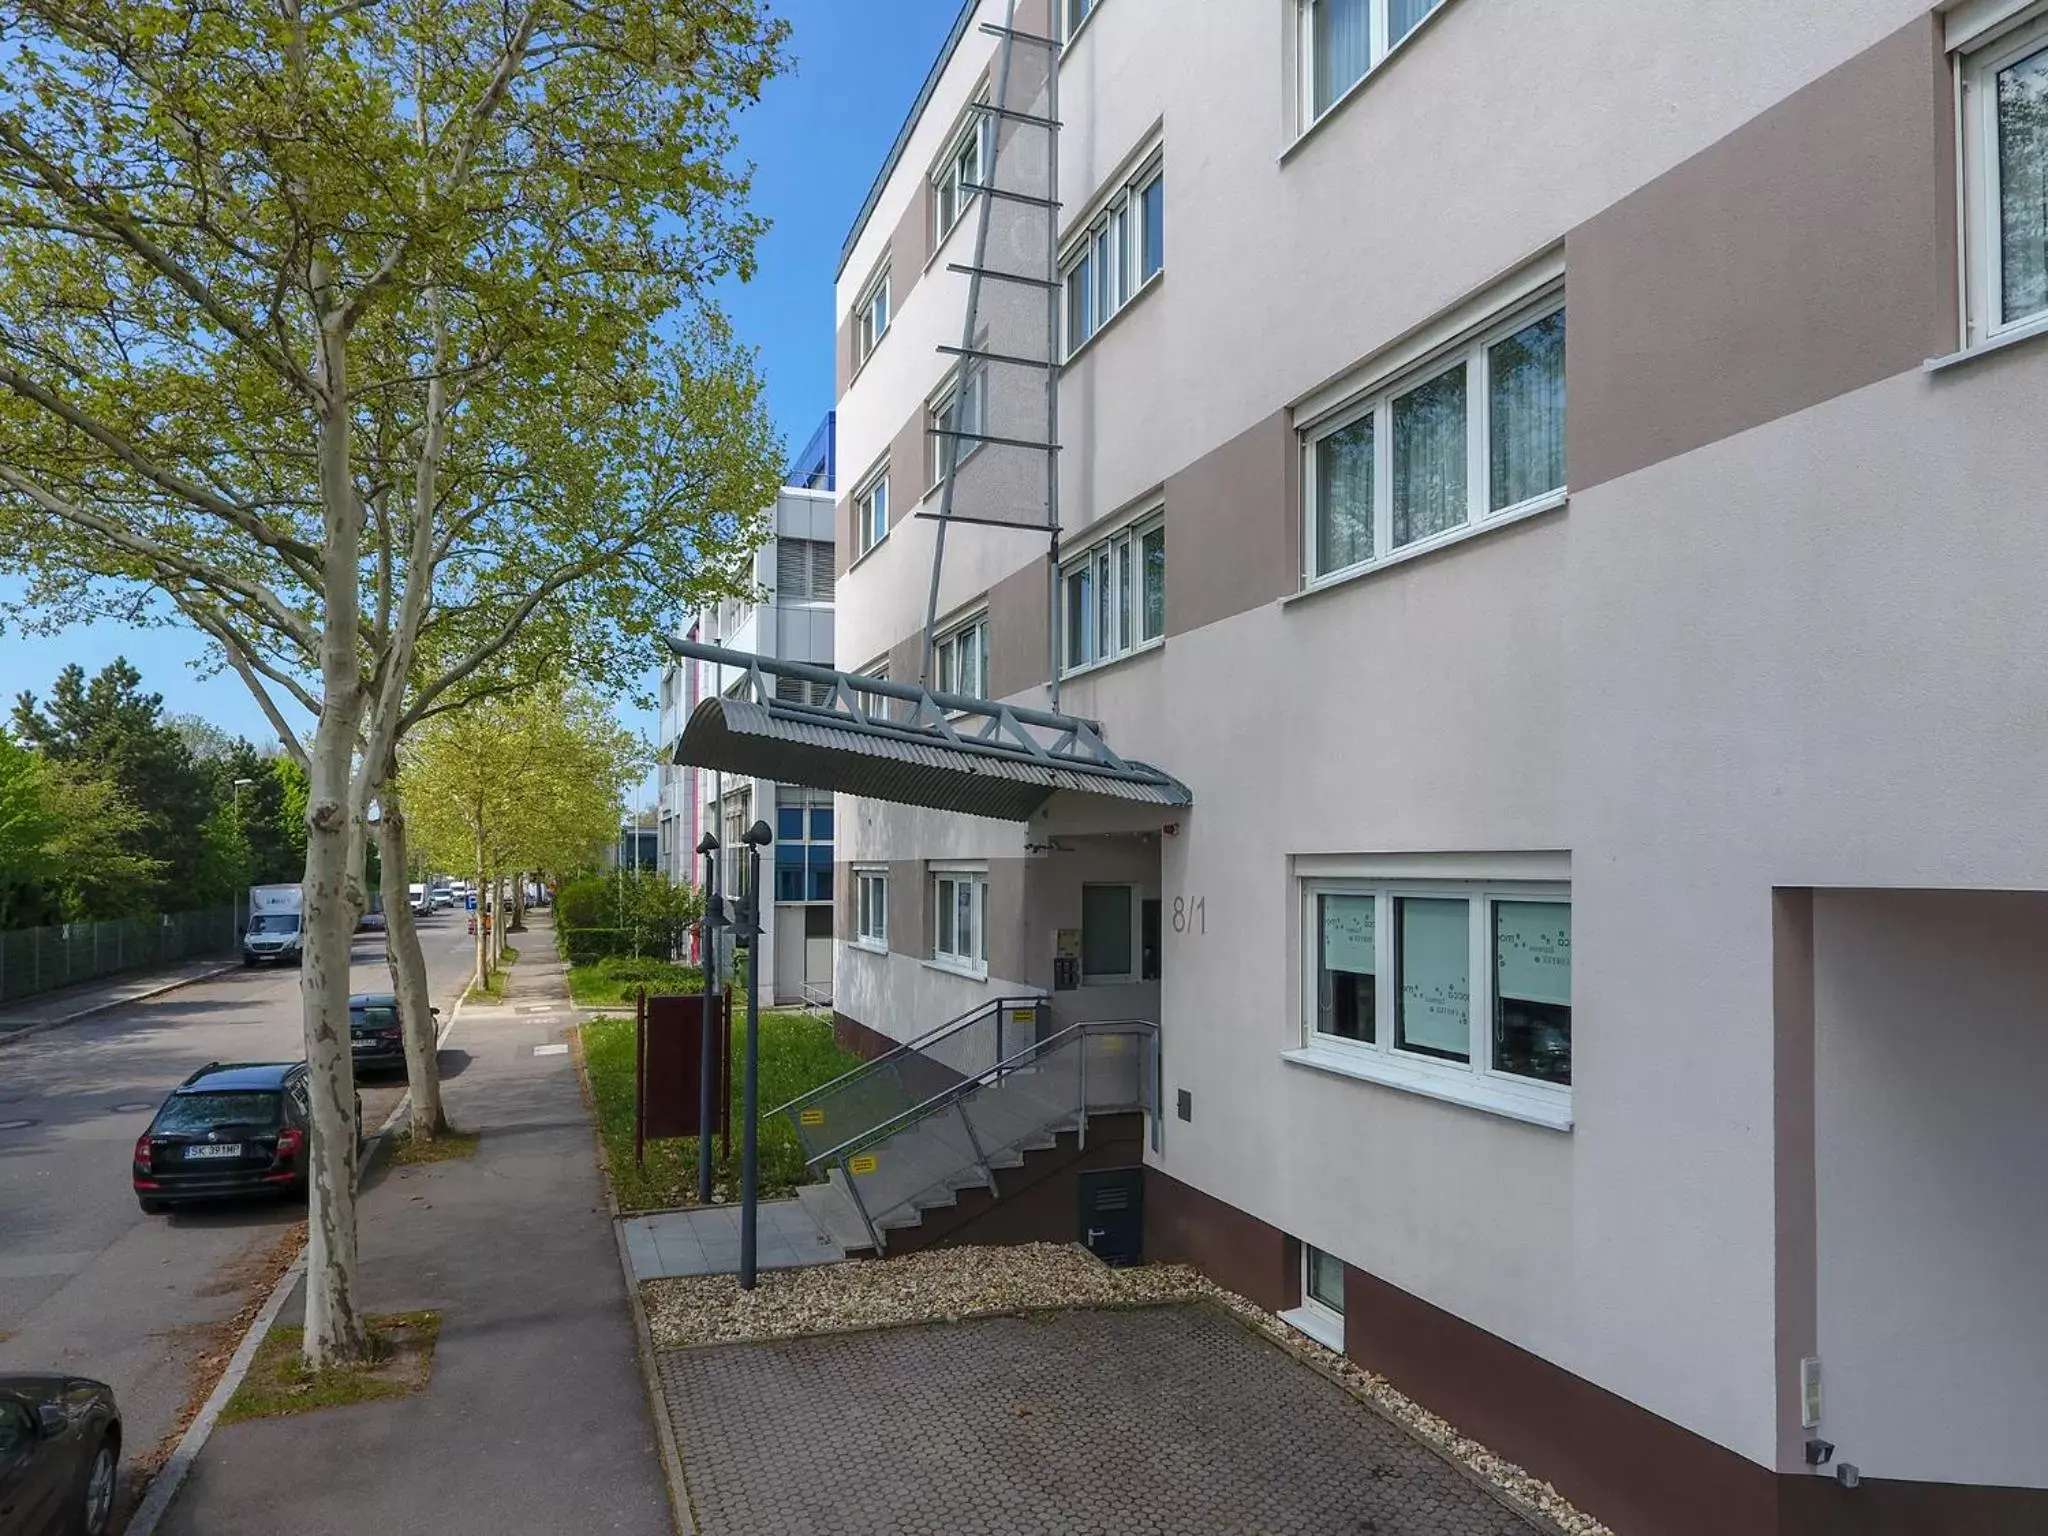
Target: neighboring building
(1601, 967)
(793, 622)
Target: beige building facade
(1565, 487)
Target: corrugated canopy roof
(895, 741)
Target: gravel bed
(947, 1284)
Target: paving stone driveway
(1157, 1420)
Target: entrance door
(1112, 1215)
(818, 954)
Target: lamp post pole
(708, 1059)
(757, 837)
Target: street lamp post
(713, 921)
(757, 837)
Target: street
(87, 1282)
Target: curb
(44, 1026)
(163, 1488)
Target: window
(960, 659)
(959, 936)
(803, 845)
(1073, 13)
(2006, 182)
(1342, 41)
(873, 317)
(1476, 433)
(1322, 1280)
(958, 420)
(1122, 249)
(1459, 983)
(1114, 594)
(956, 182)
(803, 571)
(871, 512)
(871, 918)
(1108, 943)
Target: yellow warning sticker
(1023, 1015)
(865, 1163)
(810, 1117)
(1112, 1042)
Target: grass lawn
(494, 989)
(611, 983)
(401, 1360)
(451, 1143)
(797, 1054)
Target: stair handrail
(973, 1083)
(936, 1033)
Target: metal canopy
(887, 740)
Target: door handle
(1094, 1233)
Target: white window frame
(1110, 245)
(1074, 15)
(945, 656)
(1377, 399)
(2006, 42)
(1125, 609)
(871, 322)
(871, 908)
(944, 885)
(1475, 1082)
(1378, 51)
(1133, 896)
(871, 511)
(952, 193)
(970, 384)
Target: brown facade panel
(1809, 253)
(852, 1035)
(842, 357)
(1818, 1506)
(1796, 1196)
(910, 468)
(842, 524)
(1017, 654)
(910, 247)
(1037, 1203)
(1008, 917)
(1233, 1248)
(906, 908)
(1232, 529)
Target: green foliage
(797, 1055)
(637, 912)
(612, 981)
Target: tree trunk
(483, 952)
(409, 971)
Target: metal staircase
(956, 1108)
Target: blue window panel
(821, 856)
(789, 824)
(789, 885)
(821, 883)
(821, 823)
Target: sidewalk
(535, 1422)
(49, 1010)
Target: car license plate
(363, 1043)
(217, 1149)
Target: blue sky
(816, 141)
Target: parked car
(370, 922)
(230, 1129)
(60, 1453)
(375, 1036)
(442, 898)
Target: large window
(873, 317)
(1476, 433)
(871, 511)
(2006, 175)
(1114, 595)
(1342, 40)
(1122, 249)
(1109, 940)
(1463, 984)
(955, 182)
(803, 845)
(959, 934)
(960, 659)
(871, 917)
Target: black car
(375, 1035)
(60, 1451)
(233, 1129)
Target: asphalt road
(87, 1282)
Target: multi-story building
(1561, 485)
(791, 621)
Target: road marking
(551, 1050)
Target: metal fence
(36, 960)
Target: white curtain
(1344, 497)
(1526, 413)
(2023, 186)
(1402, 16)
(1343, 47)
(1429, 458)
